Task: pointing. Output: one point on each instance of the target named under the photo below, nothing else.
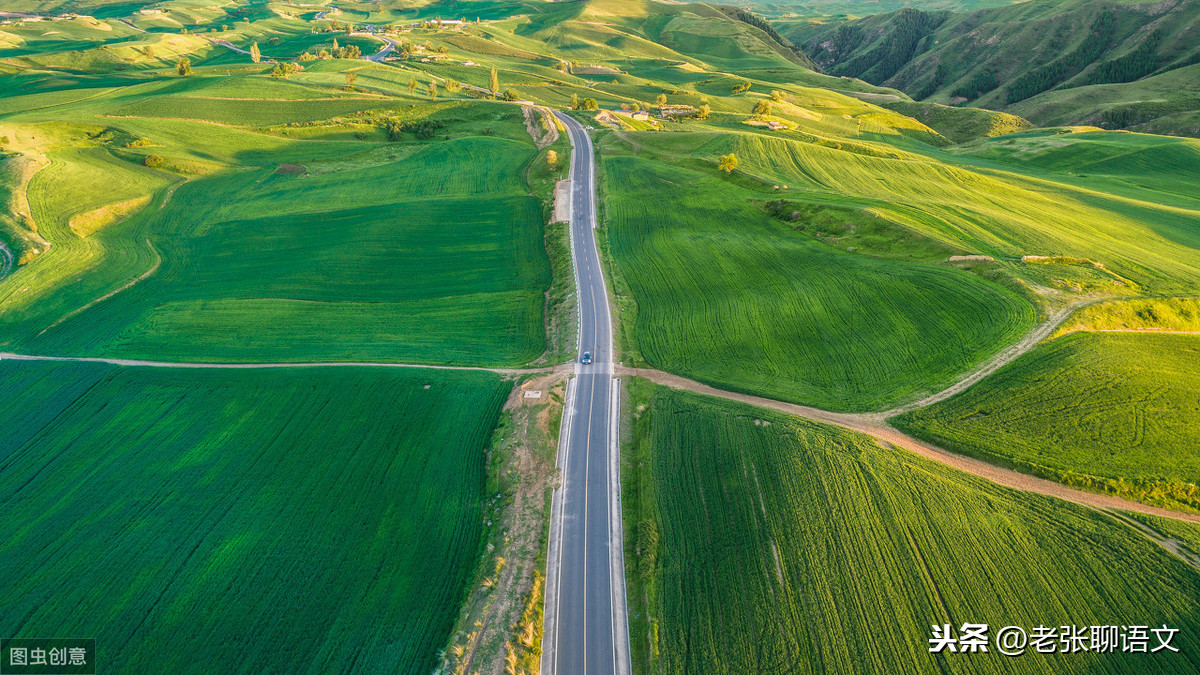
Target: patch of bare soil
(500, 628)
(291, 169)
(539, 122)
(562, 201)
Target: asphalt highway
(586, 623)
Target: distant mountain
(1110, 64)
(805, 9)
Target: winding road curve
(586, 621)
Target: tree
(703, 111)
(741, 86)
(255, 54)
(152, 161)
(777, 95)
(574, 101)
(494, 81)
(184, 67)
(635, 106)
(763, 107)
(432, 88)
(552, 158)
(510, 95)
(728, 163)
(351, 76)
(661, 100)
(412, 86)
(282, 70)
(590, 104)
(452, 85)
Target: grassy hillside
(242, 520)
(382, 251)
(1111, 412)
(730, 296)
(1106, 62)
(757, 542)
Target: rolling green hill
(757, 542)
(1113, 64)
(727, 295)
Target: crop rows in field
(1117, 412)
(433, 256)
(785, 546)
(998, 214)
(242, 521)
(731, 297)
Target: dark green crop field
(729, 296)
(768, 544)
(1117, 412)
(286, 520)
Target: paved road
(586, 624)
(377, 57)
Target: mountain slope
(1024, 57)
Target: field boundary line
(138, 363)
(1003, 358)
(145, 275)
(873, 425)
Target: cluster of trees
(282, 70)
(759, 23)
(422, 129)
(762, 108)
(932, 84)
(1133, 66)
(742, 86)
(183, 67)
(1050, 75)
(585, 104)
(907, 29)
(980, 83)
(339, 52)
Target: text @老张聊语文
(973, 638)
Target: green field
(426, 251)
(1113, 412)
(763, 543)
(727, 295)
(242, 521)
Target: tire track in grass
(145, 275)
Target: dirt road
(873, 425)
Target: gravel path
(306, 364)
